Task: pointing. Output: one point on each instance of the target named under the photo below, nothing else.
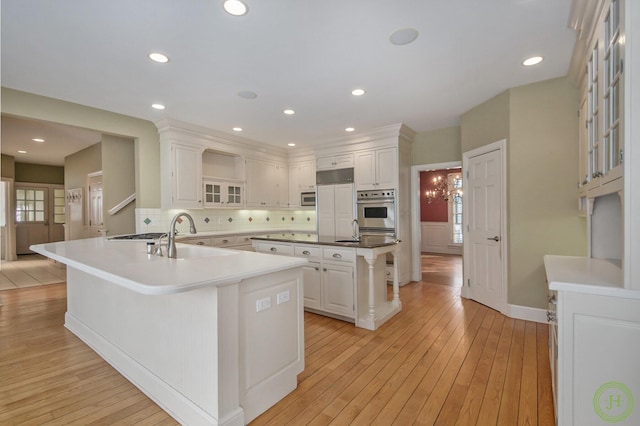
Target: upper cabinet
(335, 161)
(602, 107)
(377, 169)
(302, 178)
(186, 176)
(267, 184)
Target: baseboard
(527, 313)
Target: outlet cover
(283, 297)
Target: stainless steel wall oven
(377, 212)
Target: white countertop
(129, 265)
(586, 275)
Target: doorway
(39, 215)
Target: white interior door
(485, 224)
(96, 220)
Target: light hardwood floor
(30, 270)
(442, 360)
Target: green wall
(118, 174)
(540, 123)
(78, 165)
(39, 173)
(8, 166)
(437, 146)
(144, 133)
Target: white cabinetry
(186, 176)
(222, 194)
(302, 178)
(267, 184)
(336, 161)
(594, 357)
(376, 169)
(335, 210)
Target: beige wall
(39, 173)
(540, 123)
(144, 133)
(485, 123)
(8, 166)
(437, 146)
(543, 173)
(77, 166)
(118, 177)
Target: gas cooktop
(146, 236)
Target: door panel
(484, 198)
(32, 224)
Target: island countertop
(366, 241)
(129, 265)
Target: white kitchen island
(215, 336)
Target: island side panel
(272, 339)
(167, 345)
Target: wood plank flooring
(30, 270)
(442, 360)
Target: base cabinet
(312, 285)
(337, 288)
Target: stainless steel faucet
(171, 244)
(356, 230)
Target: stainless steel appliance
(308, 199)
(377, 212)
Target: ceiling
(303, 55)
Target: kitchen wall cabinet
(335, 210)
(376, 169)
(267, 184)
(302, 178)
(335, 161)
(186, 174)
(222, 194)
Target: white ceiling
(305, 55)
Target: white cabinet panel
(335, 210)
(312, 285)
(376, 169)
(337, 161)
(186, 176)
(337, 286)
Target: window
(58, 206)
(30, 204)
(455, 209)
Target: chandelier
(444, 189)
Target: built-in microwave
(308, 199)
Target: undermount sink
(186, 251)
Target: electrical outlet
(263, 304)
(283, 297)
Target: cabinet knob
(317, 269)
(306, 252)
(200, 243)
(273, 249)
(225, 241)
(337, 255)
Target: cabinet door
(294, 185)
(282, 186)
(386, 168)
(307, 176)
(187, 176)
(261, 184)
(365, 170)
(312, 286)
(325, 207)
(344, 210)
(325, 163)
(337, 286)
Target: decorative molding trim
(527, 313)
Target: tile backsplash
(207, 220)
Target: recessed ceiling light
(40, 140)
(289, 111)
(349, 129)
(157, 106)
(22, 152)
(403, 36)
(159, 57)
(235, 7)
(291, 144)
(237, 129)
(247, 94)
(358, 92)
(532, 61)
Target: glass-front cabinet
(222, 194)
(601, 112)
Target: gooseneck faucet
(171, 243)
(356, 230)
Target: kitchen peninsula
(215, 336)
(345, 278)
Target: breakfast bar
(214, 336)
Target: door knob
(496, 238)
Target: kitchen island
(345, 278)
(215, 336)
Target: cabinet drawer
(307, 251)
(338, 254)
(224, 241)
(243, 239)
(196, 241)
(276, 248)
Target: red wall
(438, 210)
